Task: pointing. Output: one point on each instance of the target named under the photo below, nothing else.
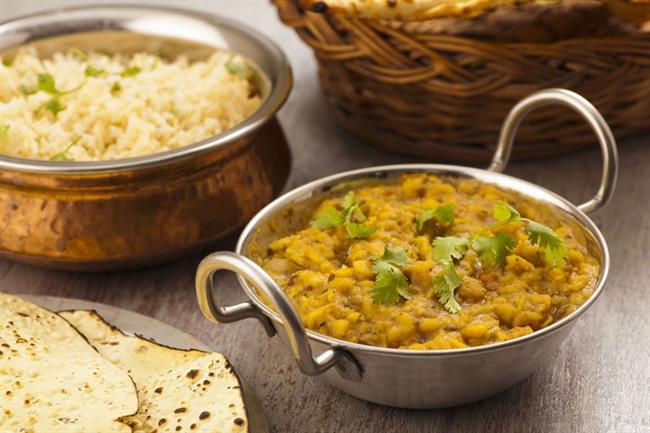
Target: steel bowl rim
(273, 102)
(555, 200)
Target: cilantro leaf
(92, 71)
(116, 87)
(242, 71)
(26, 91)
(349, 200)
(443, 213)
(54, 106)
(504, 213)
(133, 70)
(47, 84)
(78, 52)
(493, 250)
(328, 218)
(390, 282)
(358, 231)
(62, 156)
(395, 258)
(446, 249)
(7, 61)
(4, 129)
(547, 239)
(446, 283)
(351, 217)
(354, 218)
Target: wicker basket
(440, 89)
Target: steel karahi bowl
(137, 211)
(416, 378)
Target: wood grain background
(599, 381)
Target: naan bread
(52, 380)
(198, 391)
(636, 12)
(412, 9)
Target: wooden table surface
(599, 381)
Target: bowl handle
(591, 115)
(346, 365)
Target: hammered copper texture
(94, 222)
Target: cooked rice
(166, 105)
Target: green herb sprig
(54, 106)
(47, 84)
(4, 130)
(242, 71)
(351, 217)
(443, 213)
(445, 251)
(130, 72)
(93, 71)
(538, 234)
(491, 250)
(78, 52)
(390, 282)
(62, 156)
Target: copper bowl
(131, 212)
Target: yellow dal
(328, 276)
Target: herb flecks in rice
(119, 105)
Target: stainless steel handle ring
(592, 116)
(346, 365)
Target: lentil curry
(429, 262)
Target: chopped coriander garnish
(446, 249)
(443, 213)
(7, 61)
(504, 214)
(92, 71)
(78, 52)
(239, 70)
(358, 231)
(351, 217)
(493, 250)
(4, 129)
(116, 87)
(445, 284)
(47, 84)
(26, 91)
(354, 218)
(54, 106)
(328, 218)
(538, 234)
(553, 246)
(390, 282)
(62, 156)
(133, 70)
